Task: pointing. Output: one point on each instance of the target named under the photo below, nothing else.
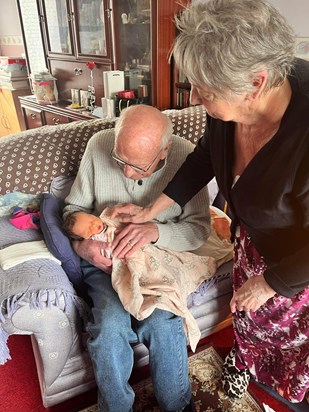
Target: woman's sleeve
(193, 175)
(291, 274)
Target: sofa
(38, 297)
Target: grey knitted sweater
(100, 183)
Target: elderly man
(133, 164)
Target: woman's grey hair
(223, 44)
(167, 131)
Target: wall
(11, 42)
(296, 12)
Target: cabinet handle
(33, 116)
(4, 121)
(78, 71)
(55, 120)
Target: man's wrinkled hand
(252, 295)
(94, 252)
(133, 237)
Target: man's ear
(259, 82)
(166, 150)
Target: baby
(153, 277)
(82, 225)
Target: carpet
(20, 391)
(205, 371)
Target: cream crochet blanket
(155, 277)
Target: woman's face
(234, 109)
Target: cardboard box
(113, 82)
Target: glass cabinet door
(57, 18)
(132, 22)
(90, 27)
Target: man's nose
(128, 171)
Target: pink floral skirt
(273, 342)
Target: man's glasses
(137, 169)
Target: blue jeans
(113, 330)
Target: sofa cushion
(56, 239)
(189, 123)
(31, 159)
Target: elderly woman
(239, 58)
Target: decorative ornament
(91, 89)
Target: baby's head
(82, 225)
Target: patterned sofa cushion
(30, 160)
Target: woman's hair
(168, 127)
(223, 43)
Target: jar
(44, 87)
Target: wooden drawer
(33, 117)
(52, 118)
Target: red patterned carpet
(19, 387)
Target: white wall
(297, 14)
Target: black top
(271, 197)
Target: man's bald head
(143, 125)
(142, 137)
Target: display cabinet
(77, 28)
(134, 36)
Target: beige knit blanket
(161, 278)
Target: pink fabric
(273, 342)
(25, 219)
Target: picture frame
(75, 96)
(302, 47)
(84, 98)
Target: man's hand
(130, 213)
(94, 252)
(252, 295)
(132, 237)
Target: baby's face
(87, 225)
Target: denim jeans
(112, 330)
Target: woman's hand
(252, 295)
(94, 252)
(136, 214)
(130, 213)
(133, 237)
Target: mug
(122, 103)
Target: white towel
(21, 252)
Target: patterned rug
(205, 371)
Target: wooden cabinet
(133, 36)
(36, 115)
(33, 117)
(11, 119)
(78, 29)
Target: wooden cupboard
(130, 35)
(11, 118)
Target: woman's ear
(259, 82)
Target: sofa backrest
(30, 160)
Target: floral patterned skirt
(273, 342)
